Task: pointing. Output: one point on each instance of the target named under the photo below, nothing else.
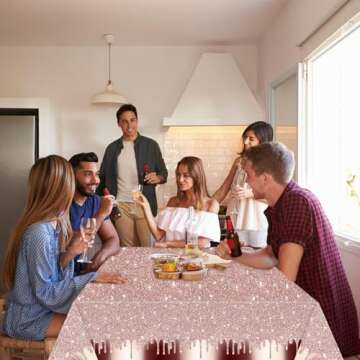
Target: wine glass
(87, 230)
(239, 180)
(191, 239)
(238, 183)
(191, 243)
(135, 193)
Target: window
(332, 127)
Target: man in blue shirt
(86, 204)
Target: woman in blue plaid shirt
(42, 285)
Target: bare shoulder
(212, 205)
(236, 164)
(173, 202)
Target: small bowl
(195, 264)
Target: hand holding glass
(135, 195)
(87, 230)
(238, 184)
(136, 192)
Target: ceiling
(135, 22)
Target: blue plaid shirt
(41, 287)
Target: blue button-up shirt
(41, 287)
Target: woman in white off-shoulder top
(247, 214)
(191, 210)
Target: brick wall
(216, 146)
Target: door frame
(298, 71)
(26, 112)
(275, 84)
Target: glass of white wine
(87, 230)
(238, 183)
(135, 193)
(191, 244)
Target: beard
(83, 190)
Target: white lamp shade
(108, 96)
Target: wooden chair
(18, 349)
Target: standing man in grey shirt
(129, 161)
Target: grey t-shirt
(127, 178)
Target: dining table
(236, 306)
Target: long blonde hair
(197, 173)
(51, 187)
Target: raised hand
(141, 200)
(107, 203)
(241, 193)
(152, 178)
(78, 244)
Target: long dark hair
(262, 130)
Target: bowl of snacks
(193, 269)
(166, 266)
(160, 259)
(170, 266)
(193, 264)
(169, 270)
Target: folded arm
(262, 259)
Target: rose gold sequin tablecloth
(238, 303)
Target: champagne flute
(191, 239)
(135, 193)
(191, 244)
(238, 183)
(87, 230)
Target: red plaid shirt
(298, 217)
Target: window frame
(345, 241)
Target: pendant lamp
(109, 95)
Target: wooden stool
(18, 349)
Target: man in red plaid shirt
(300, 240)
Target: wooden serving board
(185, 275)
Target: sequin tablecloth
(239, 303)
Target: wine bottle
(115, 212)
(232, 238)
(146, 171)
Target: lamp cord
(109, 62)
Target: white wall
(152, 78)
(48, 140)
(278, 50)
(351, 260)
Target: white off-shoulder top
(174, 221)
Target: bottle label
(231, 243)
